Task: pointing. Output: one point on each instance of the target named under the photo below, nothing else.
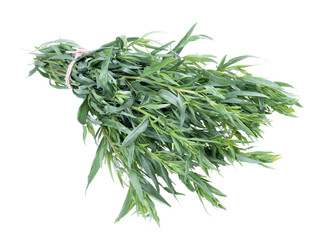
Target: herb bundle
(154, 113)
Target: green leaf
(104, 77)
(163, 47)
(115, 124)
(245, 93)
(183, 42)
(131, 154)
(200, 58)
(156, 67)
(283, 84)
(85, 132)
(239, 124)
(218, 81)
(127, 205)
(182, 110)
(214, 92)
(155, 194)
(136, 132)
(235, 60)
(83, 112)
(168, 96)
(134, 179)
(147, 166)
(169, 79)
(242, 158)
(197, 37)
(260, 81)
(97, 162)
(221, 64)
(32, 71)
(122, 41)
(165, 175)
(156, 105)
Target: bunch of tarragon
(155, 113)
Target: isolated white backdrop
(44, 162)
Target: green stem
(148, 114)
(162, 84)
(114, 149)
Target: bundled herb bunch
(155, 113)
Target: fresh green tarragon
(155, 113)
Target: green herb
(155, 113)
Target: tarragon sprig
(155, 113)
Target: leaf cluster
(154, 113)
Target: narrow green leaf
(115, 124)
(178, 48)
(147, 166)
(213, 91)
(169, 79)
(221, 64)
(156, 67)
(260, 81)
(235, 60)
(131, 154)
(127, 205)
(97, 162)
(136, 132)
(32, 71)
(283, 84)
(186, 170)
(83, 112)
(200, 58)
(168, 96)
(165, 175)
(163, 47)
(134, 179)
(156, 105)
(122, 41)
(155, 194)
(104, 77)
(239, 124)
(245, 93)
(182, 110)
(242, 158)
(85, 132)
(216, 80)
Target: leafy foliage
(154, 113)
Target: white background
(44, 162)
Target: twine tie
(77, 54)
